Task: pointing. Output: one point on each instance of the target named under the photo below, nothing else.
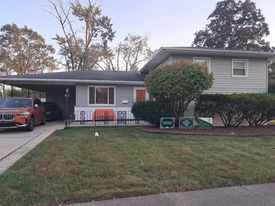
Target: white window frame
(246, 67)
(204, 58)
(98, 86)
(140, 88)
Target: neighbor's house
(92, 91)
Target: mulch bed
(268, 130)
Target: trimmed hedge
(256, 109)
(271, 88)
(151, 111)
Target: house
(271, 69)
(98, 92)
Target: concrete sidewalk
(15, 144)
(254, 195)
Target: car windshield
(16, 103)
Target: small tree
(176, 85)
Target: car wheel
(43, 122)
(30, 125)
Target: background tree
(235, 25)
(86, 33)
(24, 51)
(176, 85)
(128, 55)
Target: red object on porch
(104, 114)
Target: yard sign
(205, 123)
(186, 123)
(167, 122)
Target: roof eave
(67, 81)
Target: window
(239, 68)
(101, 95)
(202, 61)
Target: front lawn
(71, 166)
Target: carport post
(12, 91)
(66, 102)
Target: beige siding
(166, 62)
(221, 67)
(179, 59)
(122, 93)
(81, 95)
(255, 82)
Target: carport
(49, 83)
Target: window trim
(204, 58)
(140, 88)
(246, 67)
(98, 86)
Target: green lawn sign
(167, 122)
(205, 123)
(186, 123)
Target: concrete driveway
(16, 143)
(253, 195)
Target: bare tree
(128, 55)
(83, 43)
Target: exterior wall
(84, 111)
(166, 62)
(122, 92)
(221, 67)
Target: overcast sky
(165, 22)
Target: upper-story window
(204, 61)
(239, 68)
(101, 95)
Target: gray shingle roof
(82, 75)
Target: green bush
(226, 106)
(257, 109)
(151, 111)
(177, 85)
(271, 88)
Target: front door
(140, 95)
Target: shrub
(271, 88)
(226, 106)
(257, 109)
(176, 85)
(151, 111)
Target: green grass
(71, 166)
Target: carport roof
(74, 77)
